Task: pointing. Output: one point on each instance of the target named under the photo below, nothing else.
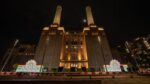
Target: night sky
(24, 19)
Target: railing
(64, 75)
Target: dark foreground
(83, 81)
(60, 78)
(80, 80)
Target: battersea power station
(88, 48)
(57, 48)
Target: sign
(30, 66)
(115, 66)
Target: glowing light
(73, 65)
(86, 29)
(69, 56)
(46, 28)
(61, 28)
(84, 20)
(30, 66)
(100, 29)
(115, 66)
(99, 38)
(66, 46)
(61, 64)
(146, 44)
(79, 65)
(79, 55)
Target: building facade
(138, 50)
(88, 48)
(67, 50)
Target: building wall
(48, 49)
(98, 52)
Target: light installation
(30, 66)
(115, 66)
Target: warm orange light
(61, 64)
(61, 28)
(84, 48)
(69, 56)
(79, 65)
(86, 65)
(68, 65)
(100, 29)
(79, 55)
(54, 25)
(62, 49)
(86, 29)
(46, 28)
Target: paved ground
(90, 81)
(118, 79)
(142, 80)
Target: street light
(16, 42)
(84, 20)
